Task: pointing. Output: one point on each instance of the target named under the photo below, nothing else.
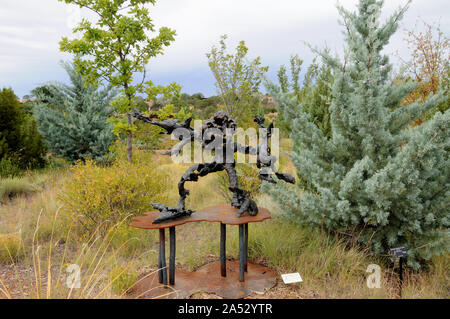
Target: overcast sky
(30, 31)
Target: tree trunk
(129, 141)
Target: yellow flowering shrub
(98, 197)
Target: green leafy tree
(237, 80)
(159, 103)
(116, 48)
(376, 179)
(291, 85)
(283, 79)
(296, 67)
(74, 119)
(316, 95)
(21, 145)
(162, 94)
(200, 106)
(169, 112)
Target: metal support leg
(401, 276)
(172, 256)
(160, 273)
(241, 253)
(245, 247)
(162, 256)
(223, 254)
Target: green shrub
(10, 115)
(98, 196)
(8, 168)
(20, 140)
(32, 148)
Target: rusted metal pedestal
(254, 278)
(243, 250)
(162, 268)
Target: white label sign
(291, 278)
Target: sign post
(401, 253)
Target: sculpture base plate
(208, 279)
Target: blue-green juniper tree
(74, 118)
(377, 178)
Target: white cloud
(31, 30)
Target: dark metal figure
(217, 131)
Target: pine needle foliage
(377, 179)
(74, 118)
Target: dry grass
(15, 187)
(45, 269)
(10, 246)
(110, 264)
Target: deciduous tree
(237, 80)
(428, 65)
(117, 47)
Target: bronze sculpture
(217, 132)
